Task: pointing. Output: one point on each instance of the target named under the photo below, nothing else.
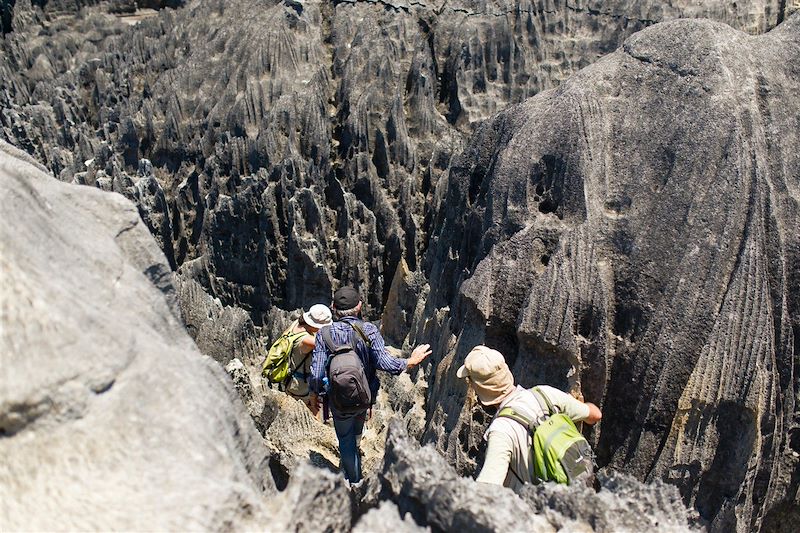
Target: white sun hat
(317, 316)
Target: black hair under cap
(346, 298)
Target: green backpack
(559, 452)
(276, 366)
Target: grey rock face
(632, 237)
(420, 483)
(386, 519)
(629, 236)
(621, 504)
(109, 416)
(221, 332)
(138, 431)
(298, 145)
(315, 500)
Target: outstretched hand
(418, 355)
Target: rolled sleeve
(575, 409)
(498, 457)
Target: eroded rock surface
(632, 237)
(297, 145)
(421, 484)
(109, 416)
(115, 430)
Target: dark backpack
(348, 387)
(558, 452)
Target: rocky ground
(110, 418)
(628, 234)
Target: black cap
(346, 298)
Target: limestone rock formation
(221, 332)
(387, 519)
(420, 484)
(297, 144)
(124, 425)
(632, 236)
(629, 234)
(109, 416)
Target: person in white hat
(310, 322)
(507, 454)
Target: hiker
(289, 361)
(343, 368)
(510, 459)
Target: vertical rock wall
(109, 416)
(632, 236)
(628, 235)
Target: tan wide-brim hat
(318, 316)
(488, 373)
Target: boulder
(110, 418)
(420, 484)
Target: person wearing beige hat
(310, 322)
(508, 451)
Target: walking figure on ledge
(288, 363)
(343, 370)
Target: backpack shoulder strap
(326, 336)
(544, 402)
(357, 326)
(294, 337)
(509, 412)
(303, 362)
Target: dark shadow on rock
(318, 460)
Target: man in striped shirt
(347, 311)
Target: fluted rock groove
(304, 137)
(607, 192)
(633, 236)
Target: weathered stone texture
(109, 416)
(422, 485)
(297, 145)
(221, 332)
(386, 519)
(632, 236)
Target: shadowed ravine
(607, 192)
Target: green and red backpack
(558, 452)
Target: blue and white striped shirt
(376, 358)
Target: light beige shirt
(510, 443)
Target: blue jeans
(348, 431)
